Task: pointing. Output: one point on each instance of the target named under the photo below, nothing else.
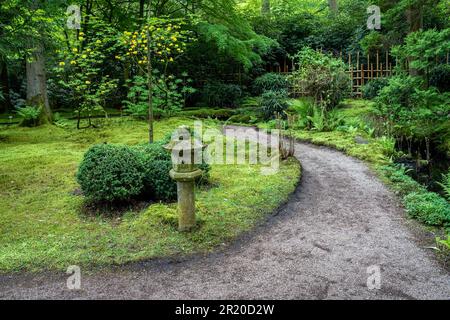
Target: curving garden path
(340, 221)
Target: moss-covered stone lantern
(186, 156)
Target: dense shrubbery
(322, 77)
(119, 173)
(409, 113)
(428, 207)
(219, 94)
(440, 77)
(111, 173)
(373, 87)
(270, 82)
(157, 164)
(272, 103)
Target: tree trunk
(333, 6)
(149, 80)
(37, 83)
(414, 16)
(265, 7)
(5, 105)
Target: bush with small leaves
(219, 94)
(157, 163)
(111, 173)
(373, 87)
(270, 82)
(272, 103)
(428, 207)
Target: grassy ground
(42, 224)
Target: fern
(445, 184)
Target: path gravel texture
(340, 221)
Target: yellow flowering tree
(81, 73)
(157, 44)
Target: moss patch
(42, 225)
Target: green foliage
(219, 94)
(404, 110)
(110, 173)
(440, 77)
(402, 183)
(373, 42)
(157, 164)
(272, 103)
(372, 88)
(243, 46)
(321, 77)
(80, 71)
(168, 96)
(428, 208)
(136, 104)
(317, 119)
(425, 49)
(444, 243)
(270, 82)
(30, 115)
(445, 184)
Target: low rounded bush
(156, 162)
(111, 173)
(428, 207)
(273, 102)
(270, 82)
(373, 87)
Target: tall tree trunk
(141, 9)
(4, 86)
(37, 82)
(333, 6)
(265, 7)
(149, 79)
(414, 16)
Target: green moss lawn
(44, 224)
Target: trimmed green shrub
(156, 162)
(270, 82)
(273, 102)
(428, 207)
(110, 173)
(219, 94)
(371, 89)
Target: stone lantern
(186, 156)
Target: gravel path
(339, 222)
